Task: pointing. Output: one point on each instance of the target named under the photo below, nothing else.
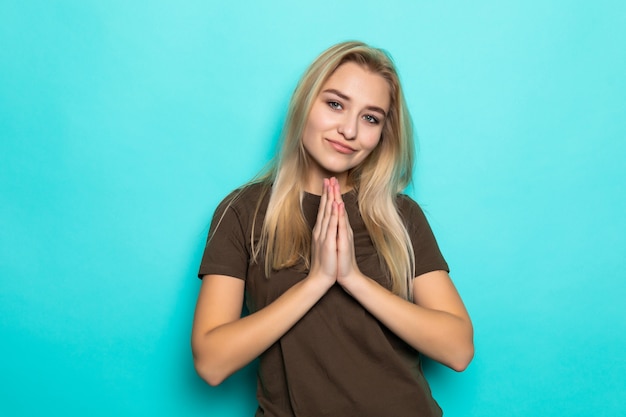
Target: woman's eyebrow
(346, 98)
(338, 93)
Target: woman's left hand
(436, 323)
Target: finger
(341, 221)
(337, 191)
(331, 186)
(339, 198)
(331, 235)
(326, 218)
(346, 218)
(320, 210)
(343, 236)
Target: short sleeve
(226, 252)
(428, 257)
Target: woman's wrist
(354, 283)
(317, 283)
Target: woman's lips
(339, 147)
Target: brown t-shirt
(338, 360)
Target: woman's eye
(371, 119)
(334, 105)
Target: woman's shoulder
(246, 198)
(405, 202)
(248, 192)
(409, 209)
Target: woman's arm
(436, 324)
(222, 342)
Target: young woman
(340, 272)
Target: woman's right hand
(324, 239)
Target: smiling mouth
(340, 147)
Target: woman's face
(345, 123)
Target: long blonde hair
(286, 237)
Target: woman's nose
(348, 127)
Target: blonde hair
(286, 237)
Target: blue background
(123, 124)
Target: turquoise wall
(122, 124)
